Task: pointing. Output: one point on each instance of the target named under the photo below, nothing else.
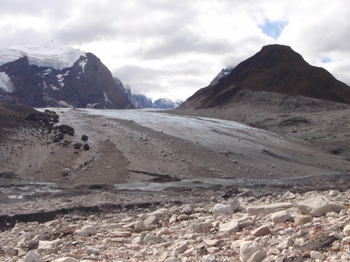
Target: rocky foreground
(313, 226)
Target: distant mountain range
(276, 68)
(142, 101)
(56, 75)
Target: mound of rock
(314, 226)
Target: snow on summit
(50, 54)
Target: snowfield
(50, 54)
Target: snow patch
(51, 54)
(47, 72)
(5, 82)
(83, 64)
(54, 87)
(106, 97)
(64, 104)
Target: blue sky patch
(273, 29)
(326, 60)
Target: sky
(171, 49)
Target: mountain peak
(275, 68)
(53, 54)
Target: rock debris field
(313, 226)
(226, 192)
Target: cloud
(173, 48)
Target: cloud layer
(166, 48)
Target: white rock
(160, 212)
(247, 249)
(137, 241)
(148, 238)
(269, 208)
(139, 226)
(32, 256)
(337, 235)
(318, 206)
(65, 259)
(235, 204)
(86, 231)
(182, 248)
(222, 209)
(334, 192)
(261, 231)
(150, 221)
(209, 258)
(229, 227)
(316, 255)
(188, 209)
(280, 216)
(173, 219)
(200, 227)
(284, 244)
(346, 240)
(302, 219)
(257, 256)
(288, 195)
(346, 230)
(182, 217)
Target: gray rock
(269, 208)
(222, 209)
(318, 206)
(200, 227)
(87, 231)
(229, 227)
(32, 256)
(247, 249)
(280, 216)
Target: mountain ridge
(40, 83)
(275, 68)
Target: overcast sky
(169, 48)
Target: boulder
(346, 230)
(318, 206)
(280, 216)
(66, 129)
(302, 219)
(222, 209)
(84, 138)
(87, 231)
(229, 227)
(261, 231)
(247, 249)
(32, 256)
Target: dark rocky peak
(70, 78)
(276, 68)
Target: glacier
(53, 54)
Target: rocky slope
(57, 75)
(275, 69)
(312, 226)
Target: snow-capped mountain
(50, 54)
(142, 101)
(223, 73)
(54, 74)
